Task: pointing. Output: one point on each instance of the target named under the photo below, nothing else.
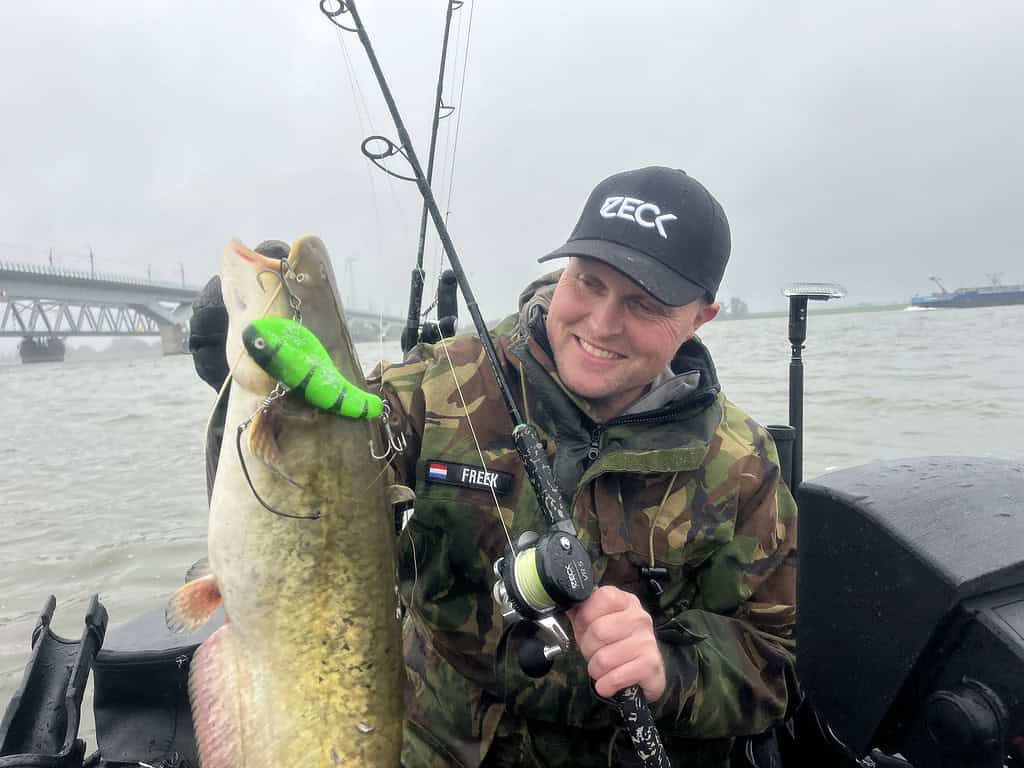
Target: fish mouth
(258, 261)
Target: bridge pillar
(173, 339)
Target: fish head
(301, 287)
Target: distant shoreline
(824, 310)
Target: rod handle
(411, 332)
(639, 724)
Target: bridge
(41, 302)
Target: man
(675, 492)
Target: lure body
(293, 355)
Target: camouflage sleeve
(400, 384)
(730, 658)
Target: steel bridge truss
(43, 317)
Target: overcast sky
(869, 143)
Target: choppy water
(102, 486)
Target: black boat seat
(140, 697)
(40, 726)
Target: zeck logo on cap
(632, 209)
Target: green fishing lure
(290, 353)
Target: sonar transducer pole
(798, 294)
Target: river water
(102, 486)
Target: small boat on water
(42, 350)
(994, 295)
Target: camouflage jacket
(693, 486)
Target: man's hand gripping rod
(546, 573)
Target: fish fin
(193, 605)
(199, 569)
(263, 442)
(399, 494)
(213, 691)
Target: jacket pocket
(664, 519)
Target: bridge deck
(38, 300)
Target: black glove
(207, 333)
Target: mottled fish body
(307, 669)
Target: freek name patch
(468, 476)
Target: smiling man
(676, 494)
(643, 272)
(611, 338)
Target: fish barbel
(307, 670)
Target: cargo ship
(993, 295)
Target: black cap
(660, 228)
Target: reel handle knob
(534, 658)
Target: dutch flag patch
(469, 476)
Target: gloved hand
(209, 326)
(207, 334)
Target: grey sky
(871, 143)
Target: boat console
(911, 608)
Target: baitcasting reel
(543, 575)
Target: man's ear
(706, 314)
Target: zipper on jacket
(599, 429)
(663, 414)
(595, 442)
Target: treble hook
(282, 274)
(392, 445)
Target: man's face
(611, 338)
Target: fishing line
(363, 111)
(362, 102)
(357, 97)
(664, 499)
(448, 168)
(375, 479)
(458, 122)
(476, 442)
(245, 470)
(452, 145)
(446, 154)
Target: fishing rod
(544, 573)
(410, 335)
